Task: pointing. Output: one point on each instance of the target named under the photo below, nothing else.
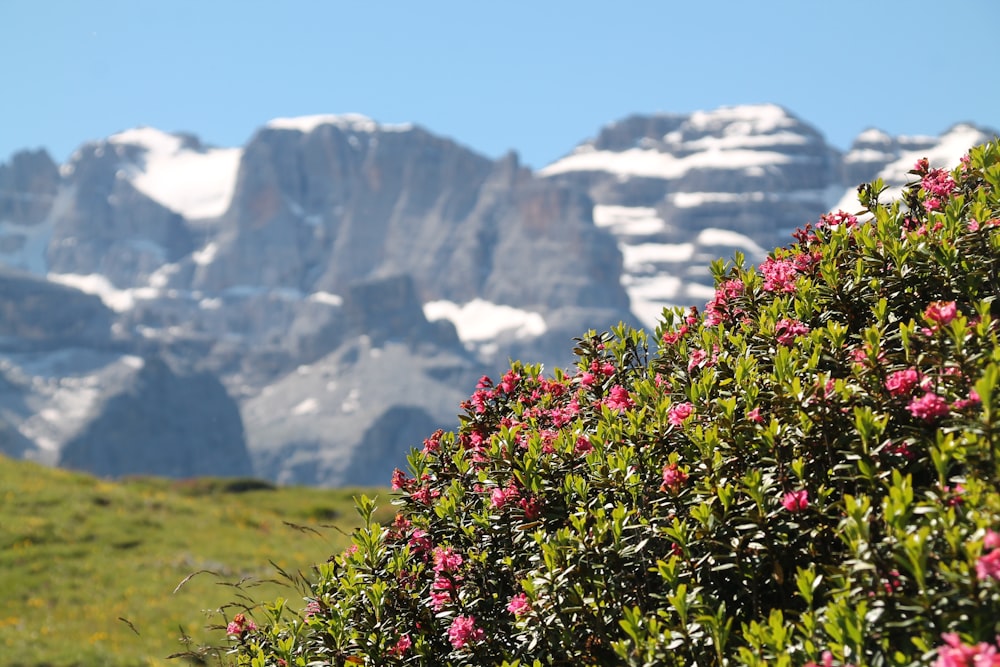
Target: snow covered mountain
(678, 191)
(348, 281)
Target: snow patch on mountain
(354, 122)
(197, 183)
(479, 321)
(650, 163)
(118, 300)
(23, 246)
(628, 220)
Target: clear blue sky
(535, 76)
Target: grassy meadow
(89, 568)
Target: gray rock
(160, 423)
(36, 314)
(313, 425)
(28, 186)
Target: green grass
(78, 555)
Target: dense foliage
(804, 473)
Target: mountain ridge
(332, 260)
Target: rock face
(37, 314)
(164, 424)
(348, 282)
(347, 200)
(113, 414)
(28, 188)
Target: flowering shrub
(806, 474)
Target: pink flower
(779, 275)
(991, 540)
(433, 443)
(442, 591)
(519, 605)
(955, 495)
(697, 358)
(401, 646)
(786, 330)
(827, 661)
(463, 631)
(501, 497)
(717, 310)
(532, 507)
(509, 382)
(446, 560)
(900, 449)
(439, 599)
(673, 477)
(419, 542)
(795, 501)
(671, 337)
(239, 625)
(425, 495)
(902, 382)
(583, 445)
(837, 219)
(754, 416)
(956, 654)
(618, 399)
(963, 403)
(988, 565)
(679, 412)
(941, 312)
(399, 480)
(587, 379)
(928, 407)
(313, 608)
(938, 182)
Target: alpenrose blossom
(501, 497)
(239, 625)
(786, 330)
(673, 478)
(988, 566)
(928, 407)
(618, 399)
(446, 560)
(938, 182)
(965, 403)
(679, 412)
(779, 275)
(901, 383)
(956, 654)
(795, 501)
(696, 358)
(827, 661)
(717, 310)
(941, 312)
(400, 648)
(991, 540)
(463, 631)
(519, 605)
